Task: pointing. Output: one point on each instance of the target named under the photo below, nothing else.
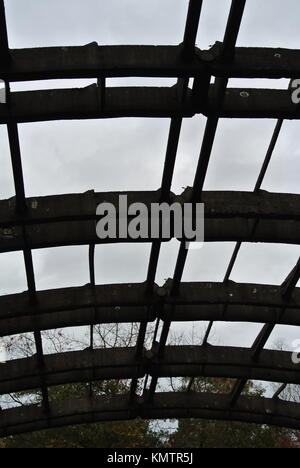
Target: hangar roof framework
(61, 220)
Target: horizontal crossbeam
(125, 303)
(122, 363)
(164, 406)
(88, 103)
(71, 219)
(261, 205)
(93, 61)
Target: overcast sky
(128, 154)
